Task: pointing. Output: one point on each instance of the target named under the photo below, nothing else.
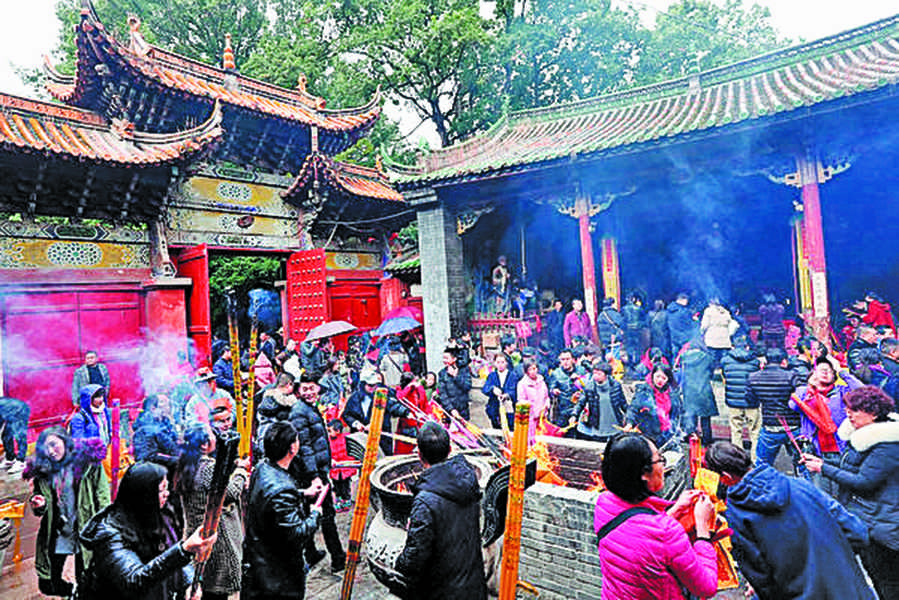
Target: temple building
(114, 200)
(777, 172)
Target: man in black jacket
(771, 388)
(442, 558)
(737, 365)
(453, 384)
(357, 413)
(312, 467)
(276, 527)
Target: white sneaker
(6, 463)
(16, 468)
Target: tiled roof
(359, 182)
(843, 65)
(30, 126)
(406, 265)
(147, 63)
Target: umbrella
(329, 329)
(396, 325)
(405, 311)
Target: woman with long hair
(137, 554)
(657, 405)
(69, 487)
(868, 479)
(193, 480)
(644, 551)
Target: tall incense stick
(512, 538)
(363, 491)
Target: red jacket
(879, 315)
(339, 454)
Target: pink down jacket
(645, 557)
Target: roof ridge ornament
(228, 63)
(137, 43)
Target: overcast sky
(28, 28)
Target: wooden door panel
(306, 292)
(194, 263)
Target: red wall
(46, 326)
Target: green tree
(194, 28)
(240, 274)
(696, 35)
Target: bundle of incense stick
(363, 491)
(226, 454)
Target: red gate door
(306, 300)
(194, 263)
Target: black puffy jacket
(862, 353)
(590, 400)
(868, 477)
(771, 388)
(126, 564)
(314, 457)
(442, 558)
(801, 370)
(454, 391)
(737, 365)
(276, 533)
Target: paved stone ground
(18, 582)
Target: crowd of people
(637, 381)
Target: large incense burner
(392, 504)
(565, 510)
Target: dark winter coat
(14, 415)
(83, 424)
(660, 336)
(314, 457)
(681, 325)
(155, 439)
(737, 365)
(643, 413)
(770, 388)
(454, 391)
(127, 565)
(609, 323)
(492, 382)
(801, 370)
(277, 531)
(772, 316)
(634, 316)
(554, 321)
(442, 558)
(561, 404)
(861, 352)
(868, 476)
(312, 358)
(354, 412)
(331, 391)
(696, 382)
(590, 400)
(224, 374)
(792, 540)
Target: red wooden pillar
(582, 206)
(611, 276)
(813, 236)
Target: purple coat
(577, 324)
(834, 403)
(646, 556)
